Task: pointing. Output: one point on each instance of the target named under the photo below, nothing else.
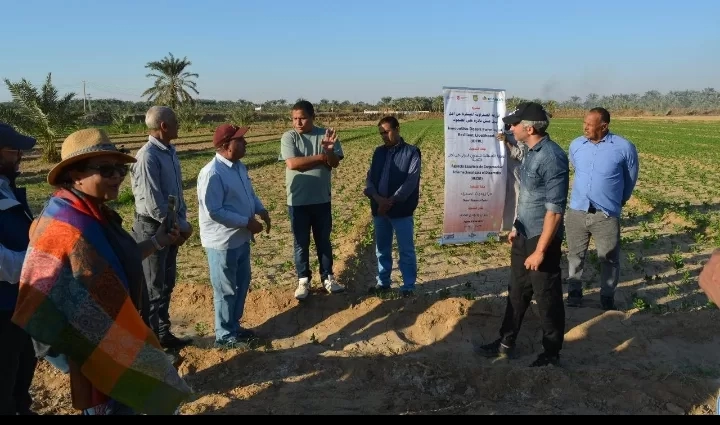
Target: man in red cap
(227, 207)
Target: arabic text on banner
(475, 170)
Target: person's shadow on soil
(629, 353)
(310, 378)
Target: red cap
(226, 132)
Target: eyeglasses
(108, 171)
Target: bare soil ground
(353, 353)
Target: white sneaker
(303, 288)
(332, 286)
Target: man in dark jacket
(393, 186)
(17, 354)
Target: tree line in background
(45, 114)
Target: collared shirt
(544, 181)
(605, 173)
(10, 261)
(226, 202)
(411, 183)
(155, 176)
(311, 186)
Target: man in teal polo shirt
(310, 153)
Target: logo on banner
(475, 97)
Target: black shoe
(245, 334)
(608, 303)
(378, 289)
(407, 293)
(230, 344)
(170, 341)
(574, 299)
(496, 349)
(545, 359)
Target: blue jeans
(318, 219)
(230, 278)
(403, 229)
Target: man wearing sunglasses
(17, 354)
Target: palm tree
(41, 114)
(171, 81)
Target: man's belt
(146, 219)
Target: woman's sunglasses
(108, 171)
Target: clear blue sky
(365, 49)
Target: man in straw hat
(227, 209)
(155, 177)
(17, 356)
(82, 290)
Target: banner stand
(475, 165)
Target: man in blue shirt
(536, 238)
(227, 209)
(393, 186)
(606, 170)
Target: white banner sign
(475, 169)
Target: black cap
(10, 138)
(529, 111)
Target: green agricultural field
(670, 225)
(353, 353)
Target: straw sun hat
(84, 144)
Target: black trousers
(17, 367)
(545, 283)
(160, 269)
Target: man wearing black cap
(536, 237)
(17, 354)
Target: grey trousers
(160, 271)
(579, 227)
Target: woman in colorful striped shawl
(82, 290)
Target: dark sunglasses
(108, 171)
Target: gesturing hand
(329, 140)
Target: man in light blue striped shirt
(606, 171)
(227, 209)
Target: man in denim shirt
(536, 238)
